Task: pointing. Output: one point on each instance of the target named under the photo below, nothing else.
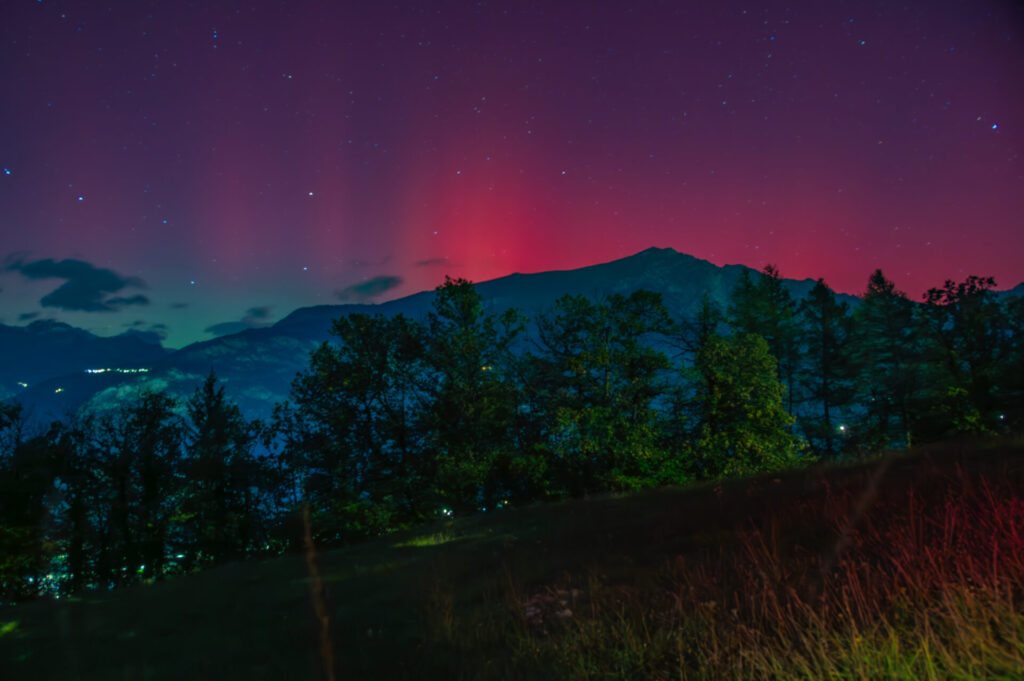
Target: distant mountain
(258, 365)
(45, 349)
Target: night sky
(195, 168)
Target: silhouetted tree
(27, 470)
(761, 305)
(598, 380)
(827, 374)
(219, 515)
(972, 337)
(142, 470)
(888, 351)
(472, 409)
(352, 429)
(739, 424)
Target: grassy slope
(654, 585)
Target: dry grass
(907, 567)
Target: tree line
(400, 420)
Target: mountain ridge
(257, 365)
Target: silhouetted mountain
(46, 349)
(258, 365)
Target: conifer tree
(598, 378)
(472, 410)
(224, 479)
(828, 374)
(739, 424)
(761, 305)
(351, 431)
(888, 351)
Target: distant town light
(58, 390)
(116, 371)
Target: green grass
(910, 567)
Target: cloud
(179, 306)
(254, 314)
(26, 316)
(227, 328)
(86, 287)
(364, 291)
(140, 323)
(255, 318)
(432, 262)
(137, 299)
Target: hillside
(899, 567)
(258, 365)
(46, 349)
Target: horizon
(190, 171)
(376, 303)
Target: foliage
(219, 515)
(397, 421)
(596, 381)
(889, 356)
(741, 426)
(827, 374)
(763, 306)
(969, 330)
(473, 405)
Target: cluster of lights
(116, 371)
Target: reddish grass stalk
(319, 598)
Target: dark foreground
(899, 567)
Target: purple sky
(189, 164)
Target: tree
(972, 337)
(597, 380)
(828, 374)
(141, 471)
(352, 428)
(27, 471)
(740, 425)
(764, 307)
(219, 514)
(888, 352)
(473, 407)
(77, 505)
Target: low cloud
(179, 306)
(254, 315)
(27, 316)
(367, 290)
(255, 318)
(147, 332)
(86, 288)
